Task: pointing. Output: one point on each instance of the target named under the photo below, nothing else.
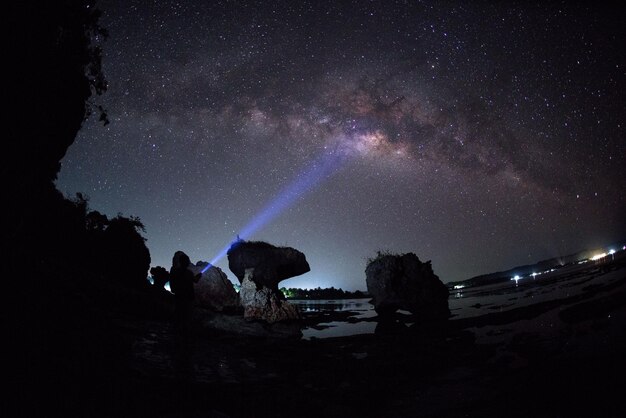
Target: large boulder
(214, 291)
(404, 282)
(271, 264)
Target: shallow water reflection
(463, 303)
(334, 305)
(359, 309)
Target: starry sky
(479, 135)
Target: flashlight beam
(321, 169)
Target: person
(181, 283)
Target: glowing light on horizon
(598, 256)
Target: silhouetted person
(181, 283)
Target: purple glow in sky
(304, 182)
(479, 136)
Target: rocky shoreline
(555, 358)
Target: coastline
(560, 356)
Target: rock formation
(160, 276)
(263, 302)
(260, 266)
(214, 291)
(404, 282)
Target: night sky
(479, 136)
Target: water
(463, 303)
(362, 306)
(359, 308)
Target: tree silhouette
(54, 71)
(125, 257)
(57, 70)
(57, 73)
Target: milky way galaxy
(479, 136)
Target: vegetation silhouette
(64, 261)
(319, 293)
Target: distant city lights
(595, 257)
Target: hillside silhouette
(59, 251)
(528, 269)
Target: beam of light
(322, 168)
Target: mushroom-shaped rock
(260, 266)
(271, 264)
(404, 282)
(214, 291)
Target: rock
(271, 264)
(214, 291)
(260, 302)
(404, 282)
(160, 276)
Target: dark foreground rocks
(564, 359)
(160, 277)
(404, 282)
(260, 266)
(215, 323)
